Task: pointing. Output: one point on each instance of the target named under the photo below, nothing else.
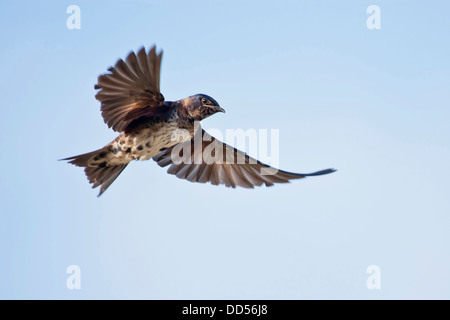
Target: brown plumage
(234, 167)
(149, 127)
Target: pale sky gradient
(373, 104)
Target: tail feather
(103, 177)
(102, 174)
(82, 159)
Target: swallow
(149, 128)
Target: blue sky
(372, 103)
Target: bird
(150, 127)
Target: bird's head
(201, 106)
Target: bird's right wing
(131, 89)
(219, 163)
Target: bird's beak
(219, 109)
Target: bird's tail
(99, 173)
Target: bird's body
(143, 142)
(151, 128)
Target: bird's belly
(146, 143)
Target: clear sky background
(373, 104)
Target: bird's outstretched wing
(131, 89)
(232, 167)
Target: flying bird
(133, 106)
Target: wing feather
(131, 89)
(246, 174)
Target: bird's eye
(204, 100)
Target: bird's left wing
(131, 89)
(219, 163)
